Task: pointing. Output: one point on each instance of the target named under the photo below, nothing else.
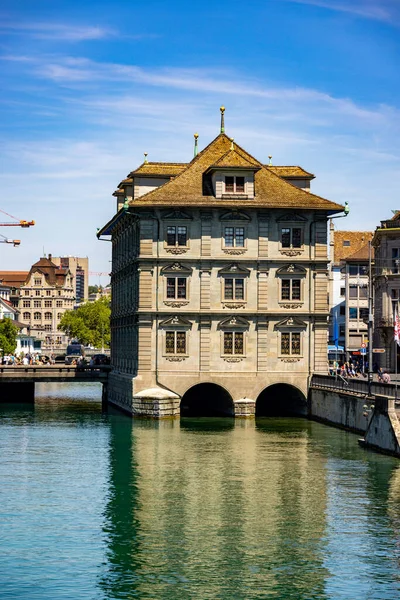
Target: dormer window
(234, 185)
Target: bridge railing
(353, 385)
(52, 369)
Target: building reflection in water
(212, 509)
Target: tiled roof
(54, 275)
(187, 189)
(355, 240)
(235, 158)
(290, 172)
(13, 278)
(163, 169)
(361, 254)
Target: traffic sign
(363, 350)
(363, 345)
(378, 350)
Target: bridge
(17, 382)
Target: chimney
(50, 257)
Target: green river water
(99, 506)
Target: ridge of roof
(291, 171)
(157, 168)
(235, 158)
(272, 191)
(44, 262)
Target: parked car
(75, 353)
(99, 359)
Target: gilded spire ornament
(222, 109)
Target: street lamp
(370, 320)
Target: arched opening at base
(207, 400)
(281, 400)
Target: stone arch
(207, 400)
(281, 400)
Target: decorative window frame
(289, 221)
(235, 174)
(233, 324)
(292, 272)
(176, 270)
(176, 218)
(234, 271)
(234, 218)
(290, 325)
(175, 323)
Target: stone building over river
(219, 285)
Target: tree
(93, 289)
(89, 324)
(8, 336)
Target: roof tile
(186, 189)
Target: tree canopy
(89, 324)
(8, 336)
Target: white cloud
(58, 31)
(382, 10)
(82, 72)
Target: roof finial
(196, 148)
(232, 147)
(270, 159)
(222, 109)
(145, 157)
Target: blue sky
(89, 86)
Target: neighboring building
(47, 292)
(356, 295)
(79, 268)
(219, 277)
(386, 242)
(13, 281)
(26, 343)
(345, 273)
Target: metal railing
(43, 369)
(353, 385)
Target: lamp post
(370, 320)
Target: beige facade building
(44, 296)
(79, 267)
(348, 295)
(386, 242)
(219, 285)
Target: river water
(98, 506)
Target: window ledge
(291, 252)
(233, 304)
(234, 251)
(289, 304)
(176, 249)
(291, 359)
(176, 303)
(176, 358)
(229, 196)
(233, 359)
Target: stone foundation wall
(120, 390)
(344, 410)
(142, 395)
